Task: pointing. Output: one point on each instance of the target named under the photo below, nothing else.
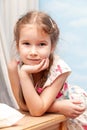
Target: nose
(33, 51)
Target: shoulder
(12, 67)
(58, 68)
(13, 64)
(59, 65)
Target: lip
(34, 61)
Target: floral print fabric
(68, 92)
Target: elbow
(37, 110)
(37, 113)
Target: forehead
(33, 30)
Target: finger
(34, 68)
(74, 116)
(79, 108)
(76, 101)
(46, 63)
(39, 66)
(78, 113)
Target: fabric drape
(10, 11)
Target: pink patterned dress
(68, 92)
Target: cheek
(45, 53)
(23, 50)
(23, 53)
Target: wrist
(23, 73)
(54, 107)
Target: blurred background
(71, 17)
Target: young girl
(38, 79)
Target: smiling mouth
(34, 61)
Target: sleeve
(59, 67)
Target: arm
(38, 104)
(15, 82)
(69, 108)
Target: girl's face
(34, 44)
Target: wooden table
(46, 122)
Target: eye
(42, 44)
(26, 43)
